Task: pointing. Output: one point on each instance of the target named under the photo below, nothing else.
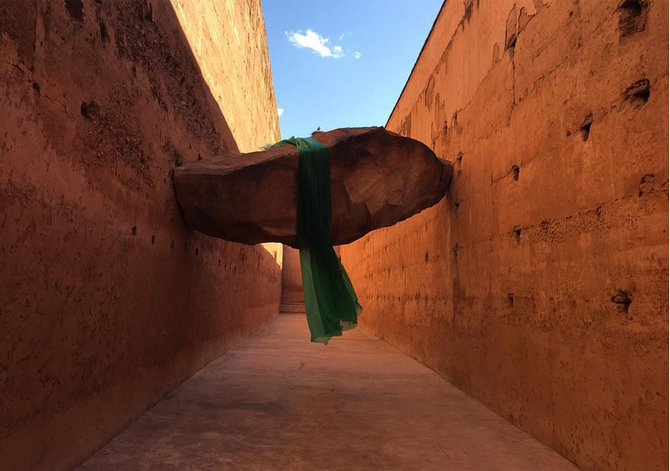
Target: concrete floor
(278, 402)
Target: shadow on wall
(273, 249)
(222, 128)
(108, 300)
(291, 277)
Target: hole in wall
(426, 257)
(517, 234)
(585, 130)
(134, 230)
(36, 87)
(153, 239)
(585, 127)
(197, 251)
(645, 185)
(631, 7)
(510, 299)
(75, 8)
(515, 172)
(104, 36)
(632, 17)
(638, 93)
(89, 110)
(623, 299)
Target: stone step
(291, 308)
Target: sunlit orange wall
(539, 286)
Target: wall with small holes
(539, 285)
(107, 299)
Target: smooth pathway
(279, 402)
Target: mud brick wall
(539, 286)
(107, 300)
(291, 278)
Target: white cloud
(315, 42)
(357, 55)
(280, 111)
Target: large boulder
(377, 179)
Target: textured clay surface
(280, 403)
(540, 285)
(108, 300)
(377, 179)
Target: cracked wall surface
(539, 286)
(108, 300)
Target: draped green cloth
(330, 299)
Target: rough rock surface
(377, 179)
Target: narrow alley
(278, 402)
(185, 184)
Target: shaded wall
(291, 277)
(539, 286)
(108, 300)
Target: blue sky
(342, 63)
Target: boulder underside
(378, 178)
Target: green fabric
(330, 299)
